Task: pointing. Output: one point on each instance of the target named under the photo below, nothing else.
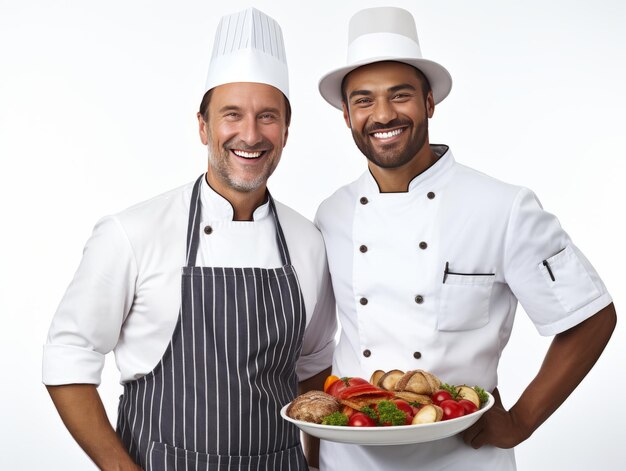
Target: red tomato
(359, 419)
(469, 406)
(406, 408)
(451, 409)
(441, 396)
(335, 388)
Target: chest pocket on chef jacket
(569, 279)
(465, 301)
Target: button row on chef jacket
(419, 299)
(368, 353)
(208, 229)
(364, 200)
(422, 245)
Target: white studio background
(97, 112)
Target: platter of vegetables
(392, 408)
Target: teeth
(387, 135)
(247, 155)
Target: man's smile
(247, 154)
(387, 135)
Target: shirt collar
(217, 208)
(428, 177)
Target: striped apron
(213, 401)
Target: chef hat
(384, 34)
(249, 48)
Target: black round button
(419, 299)
(366, 353)
(364, 200)
(363, 248)
(431, 195)
(363, 301)
(208, 229)
(423, 245)
(417, 355)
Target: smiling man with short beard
(399, 103)
(429, 259)
(245, 127)
(215, 297)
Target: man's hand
(497, 427)
(570, 357)
(82, 412)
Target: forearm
(570, 357)
(83, 413)
(311, 444)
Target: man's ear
(202, 129)
(430, 104)
(346, 114)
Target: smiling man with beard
(429, 258)
(215, 298)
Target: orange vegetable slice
(329, 381)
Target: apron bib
(213, 401)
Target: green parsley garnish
(482, 395)
(336, 418)
(389, 414)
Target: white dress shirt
(400, 308)
(125, 295)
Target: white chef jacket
(125, 295)
(388, 254)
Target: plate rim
(389, 430)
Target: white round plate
(399, 435)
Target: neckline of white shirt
(217, 208)
(427, 177)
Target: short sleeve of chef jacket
(553, 281)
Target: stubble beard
(389, 156)
(222, 168)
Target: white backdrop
(97, 112)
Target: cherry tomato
(329, 381)
(441, 396)
(359, 419)
(451, 409)
(406, 408)
(469, 406)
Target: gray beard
(220, 167)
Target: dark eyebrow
(403, 86)
(270, 110)
(223, 109)
(227, 108)
(360, 92)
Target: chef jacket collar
(217, 208)
(428, 176)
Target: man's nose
(250, 132)
(384, 112)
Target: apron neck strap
(280, 236)
(193, 227)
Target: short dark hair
(206, 99)
(423, 80)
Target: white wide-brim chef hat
(248, 47)
(384, 34)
